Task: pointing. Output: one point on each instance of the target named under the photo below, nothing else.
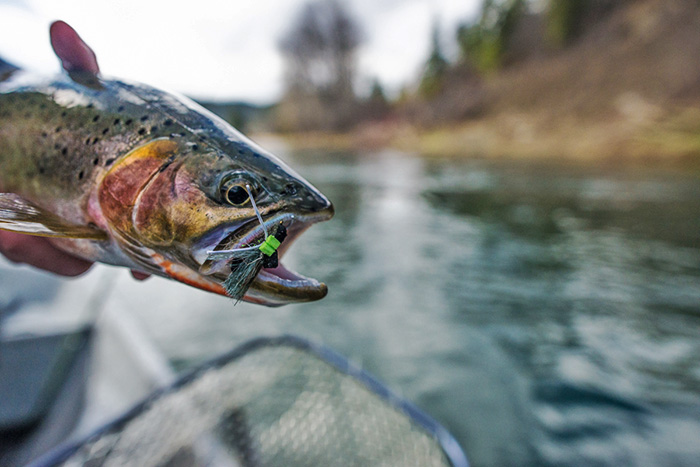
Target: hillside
(627, 87)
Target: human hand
(40, 253)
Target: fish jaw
(272, 286)
(280, 286)
(186, 275)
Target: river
(546, 314)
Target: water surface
(545, 314)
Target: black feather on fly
(246, 265)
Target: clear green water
(544, 315)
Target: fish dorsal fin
(74, 53)
(19, 215)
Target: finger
(40, 253)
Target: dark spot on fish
(128, 122)
(117, 121)
(95, 118)
(144, 118)
(44, 134)
(109, 162)
(104, 132)
(202, 138)
(94, 141)
(96, 161)
(195, 147)
(64, 151)
(120, 108)
(90, 106)
(290, 189)
(58, 128)
(142, 131)
(168, 122)
(87, 141)
(265, 179)
(81, 175)
(41, 170)
(154, 129)
(57, 146)
(64, 113)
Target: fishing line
(246, 262)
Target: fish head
(172, 202)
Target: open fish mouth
(272, 286)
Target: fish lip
(295, 224)
(271, 287)
(269, 290)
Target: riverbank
(640, 133)
(626, 90)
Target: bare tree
(319, 52)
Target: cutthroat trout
(129, 175)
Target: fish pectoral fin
(22, 216)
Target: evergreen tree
(435, 68)
(485, 43)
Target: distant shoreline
(671, 140)
(625, 90)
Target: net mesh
(273, 406)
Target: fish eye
(234, 192)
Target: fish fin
(22, 216)
(74, 53)
(6, 69)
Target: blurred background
(516, 247)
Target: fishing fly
(246, 262)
